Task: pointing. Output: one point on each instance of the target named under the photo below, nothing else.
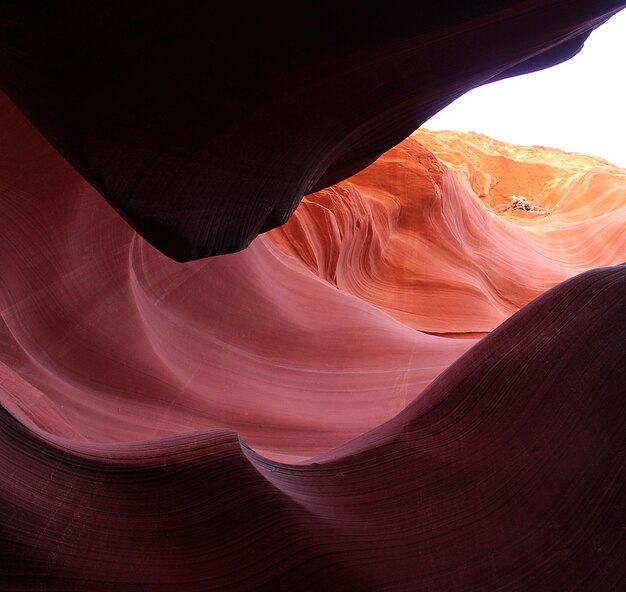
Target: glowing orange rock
(452, 233)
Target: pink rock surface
(506, 473)
(291, 417)
(113, 341)
(132, 388)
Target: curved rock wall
(415, 384)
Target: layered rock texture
(415, 384)
(204, 125)
(452, 233)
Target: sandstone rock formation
(415, 384)
(127, 381)
(206, 125)
(422, 234)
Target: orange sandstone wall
(427, 233)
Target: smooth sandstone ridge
(452, 233)
(158, 419)
(415, 385)
(116, 342)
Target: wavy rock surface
(286, 417)
(422, 233)
(113, 341)
(205, 125)
(507, 473)
(134, 387)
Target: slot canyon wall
(257, 333)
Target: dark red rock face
(303, 414)
(204, 125)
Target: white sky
(577, 106)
